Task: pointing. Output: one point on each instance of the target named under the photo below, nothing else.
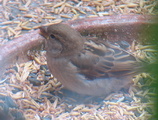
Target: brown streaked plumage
(88, 65)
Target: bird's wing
(104, 61)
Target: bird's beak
(43, 31)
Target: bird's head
(62, 40)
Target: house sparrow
(88, 66)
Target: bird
(88, 65)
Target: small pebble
(34, 81)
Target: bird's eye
(52, 36)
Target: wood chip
(59, 4)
